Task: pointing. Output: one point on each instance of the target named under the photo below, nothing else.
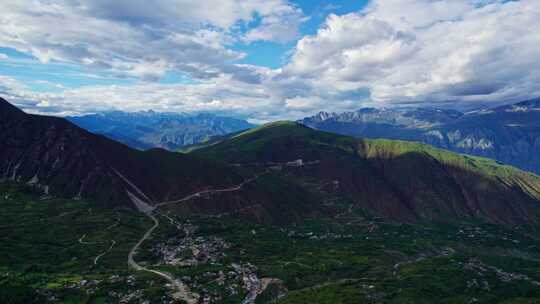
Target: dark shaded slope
(399, 180)
(439, 184)
(60, 158)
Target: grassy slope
(527, 181)
(270, 143)
(430, 182)
(40, 248)
(254, 140)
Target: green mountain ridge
(397, 179)
(402, 181)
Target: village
(187, 249)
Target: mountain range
(305, 170)
(149, 129)
(280, 213)
(509, 134)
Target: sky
(266, 60)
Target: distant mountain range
(510, 134)
(149, 129)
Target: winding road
(81, 241)
(96, 260)
(198, 194)
(182, 291)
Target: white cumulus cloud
(427, 51)
(460, 52)
(142, 39)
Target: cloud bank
(459, 53)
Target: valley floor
(59, 251)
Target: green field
(351, 258)
(43, 253)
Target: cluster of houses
(188, 250)
(482, 270)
